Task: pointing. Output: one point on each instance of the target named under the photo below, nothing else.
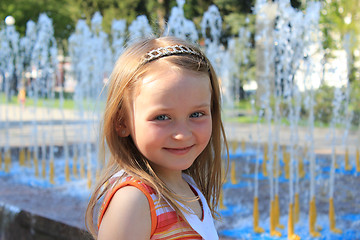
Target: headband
(168, 51)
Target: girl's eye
(196, 115)
(162, 118)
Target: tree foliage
(60, 11)
(65, 13)
(340, 26)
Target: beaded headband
(167, 51)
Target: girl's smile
(179, 151)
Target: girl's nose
(182, 132)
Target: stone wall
(18, 224)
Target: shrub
(323, 104)
(355, 102)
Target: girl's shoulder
(127, 217)
(126, 202)
(122, 178)
(118, 181)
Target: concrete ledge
(19, 224)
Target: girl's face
(171, 122)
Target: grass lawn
(246, 116)
(68, 103)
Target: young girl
(163, 128)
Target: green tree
(110, 9)
(60, 11)
(340, 26)
(340, 20)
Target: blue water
(241, 217)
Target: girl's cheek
(155, 131)
(205, 129)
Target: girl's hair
(124, 81)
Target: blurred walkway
(18, 126)
(323, 137)
(77, 129)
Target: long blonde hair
(124, 80)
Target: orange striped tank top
(165, 223)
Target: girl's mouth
(179, 151)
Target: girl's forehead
(158, 70)
(163, 77)
(164, 69)
(173, 90)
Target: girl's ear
(121, 129)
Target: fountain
(179, 26)
(273, 164)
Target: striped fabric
(165, 223)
